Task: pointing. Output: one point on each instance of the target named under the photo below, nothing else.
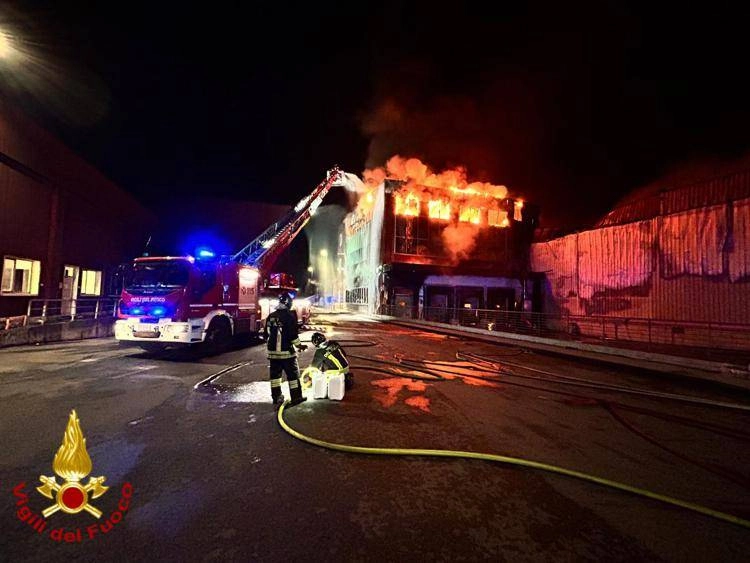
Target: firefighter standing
(282, 340)
(330, 357)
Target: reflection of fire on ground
(454, 370)
(390, 389)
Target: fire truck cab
(182, 300)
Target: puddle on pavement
(255, 392)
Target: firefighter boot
(296, 393)
(276, 396)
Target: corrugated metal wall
(739, 258)
(693, 265)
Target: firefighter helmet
(285, 299)
(317, 338)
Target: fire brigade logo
(72, 463)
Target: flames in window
(444, 196)
(439, 209)
(463, 207)
(407, 204)
(469, 214)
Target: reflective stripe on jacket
(281, 334)
(331, 358)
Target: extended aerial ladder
(207, 300)
(262, 252)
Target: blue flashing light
(136, 311)
(204, 253)
(159, 311)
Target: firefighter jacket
(281, 334)
(331, 358)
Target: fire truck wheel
(218, 336)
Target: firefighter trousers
(291, 368)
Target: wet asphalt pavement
(215, 478)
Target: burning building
(425, 244)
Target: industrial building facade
(428, 255)
(668, 266)
(64, 227)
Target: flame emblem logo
(72, 463)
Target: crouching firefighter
(330, 358)
(283, 341)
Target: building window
(470, 215)
(91, 282)
(20, 276)
(497, 218)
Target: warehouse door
(404, 302)
(69, 290)
(438, 304)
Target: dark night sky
(570, 106)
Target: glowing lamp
(204, 253)
(159, 311)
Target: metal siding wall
(615, 258)
(688, 282)
(739, 254)
(24, 228)
(692, 242)
(557, 259)
(24, 215)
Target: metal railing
(43, 311)
(651, 334)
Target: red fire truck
(183, 300)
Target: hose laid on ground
(510, 461)
(717, 470)
(581, 382)
(434, 373)
(352, 343)
(419, 366)
(393, 373)
(609, 406)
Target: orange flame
(407, 204)
(442, 191)
(439, 209)
(470, 215)
(450, 197)
(72, 461)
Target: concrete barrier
(57, 332)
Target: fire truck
(184, 300)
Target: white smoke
(373, 258)
(351, 182)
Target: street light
(7, 48)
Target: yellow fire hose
(511, 461)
